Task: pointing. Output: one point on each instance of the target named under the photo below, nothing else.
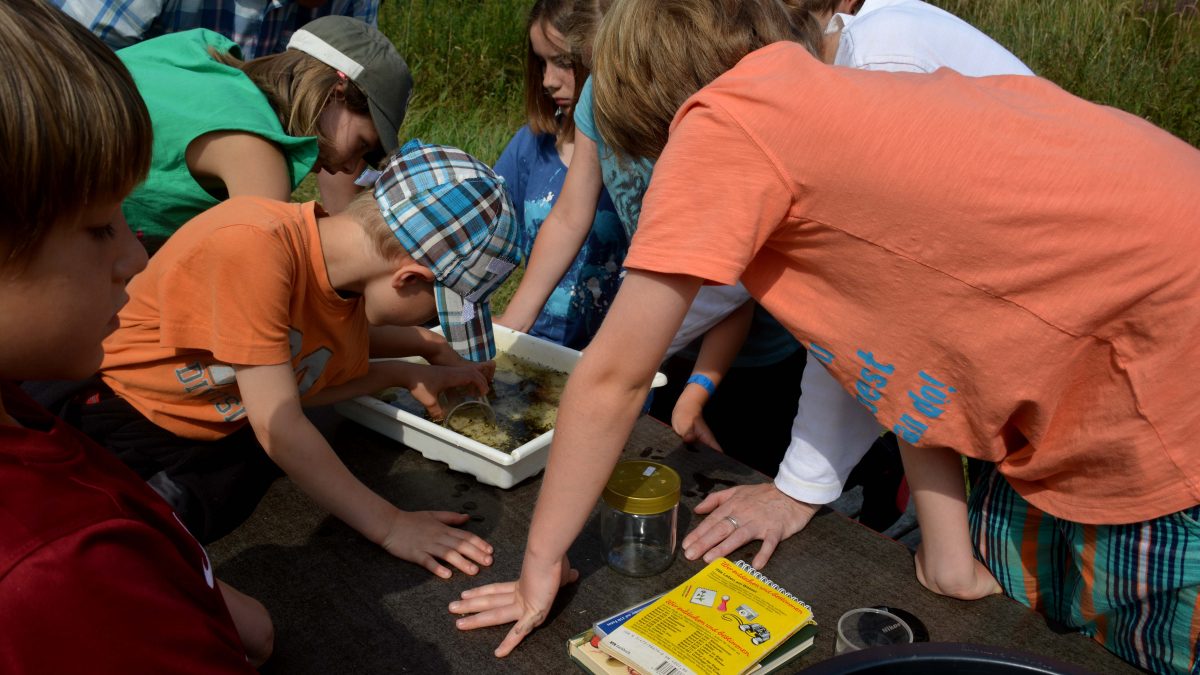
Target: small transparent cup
(869, 627)
(463, 407)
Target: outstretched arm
(717, 351)
(602, 401)
(291, 441)
(945, 559)
(560, 237)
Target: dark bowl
(934, 658)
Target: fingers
(706, 436)
(713, 501)
(519, 630)
(502, 587)
(503, 614)
(451, 517)
(733, 542)
(481, 603)
(707, 534)
(764, 553)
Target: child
(993, 267)
(771, 355)
(832, 431)
(534, 166)
(96, 573)
(223, 127)
(255, 308)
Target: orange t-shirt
(988, 264)
(243, 283)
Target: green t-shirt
(189, 94)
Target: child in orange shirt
(256, 308)
(991, 266)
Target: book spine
(745, 567)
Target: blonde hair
(364, 210)
(298, 86)
(73, 128)
(652, 55)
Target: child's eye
(102, 232)
(564, 63)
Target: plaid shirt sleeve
(119, 23)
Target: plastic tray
(436, 442)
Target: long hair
(543, 114)
(652, 55)
(74, 130)
(298, 87)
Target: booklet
(584, 650)
(725, 619)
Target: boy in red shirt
(88, 553)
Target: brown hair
(298, 86)
(581, 27)
(650, 58)
(540, 108)
(75, 132)
(364, 210)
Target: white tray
(434, 441)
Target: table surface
(343, 605)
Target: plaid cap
(453, 215)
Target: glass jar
(638, 515)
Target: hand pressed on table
(761, 512)
(526, 602)
(425, 537)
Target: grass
(1142, 56)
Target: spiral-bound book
(725, 619)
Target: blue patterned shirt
(534, 175)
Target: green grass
(467, 58)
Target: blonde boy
(256, 308)
(992, 266)
(88, 553)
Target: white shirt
(832, 431)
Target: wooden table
(343, 605)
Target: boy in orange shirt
(256, 308)
(992, 266)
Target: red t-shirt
(97, 575)
(242, 284)
(988, 264)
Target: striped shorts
(1133, 588)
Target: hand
(762, 512)
(963, 579)
(424, 537)
(446, 356)
(687, 419)
(429, 381)
(525, 601)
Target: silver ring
(733, 521)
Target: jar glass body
(638, 545)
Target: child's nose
(132, 257)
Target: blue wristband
(703, 381)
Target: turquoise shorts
(1133, 588)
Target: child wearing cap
(225, 128)
(96, 572)
(256, 308)
(991, 266)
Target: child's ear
(411, 272)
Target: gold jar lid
(642, 487)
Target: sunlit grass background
(1142, 56)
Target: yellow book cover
(723, 620)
